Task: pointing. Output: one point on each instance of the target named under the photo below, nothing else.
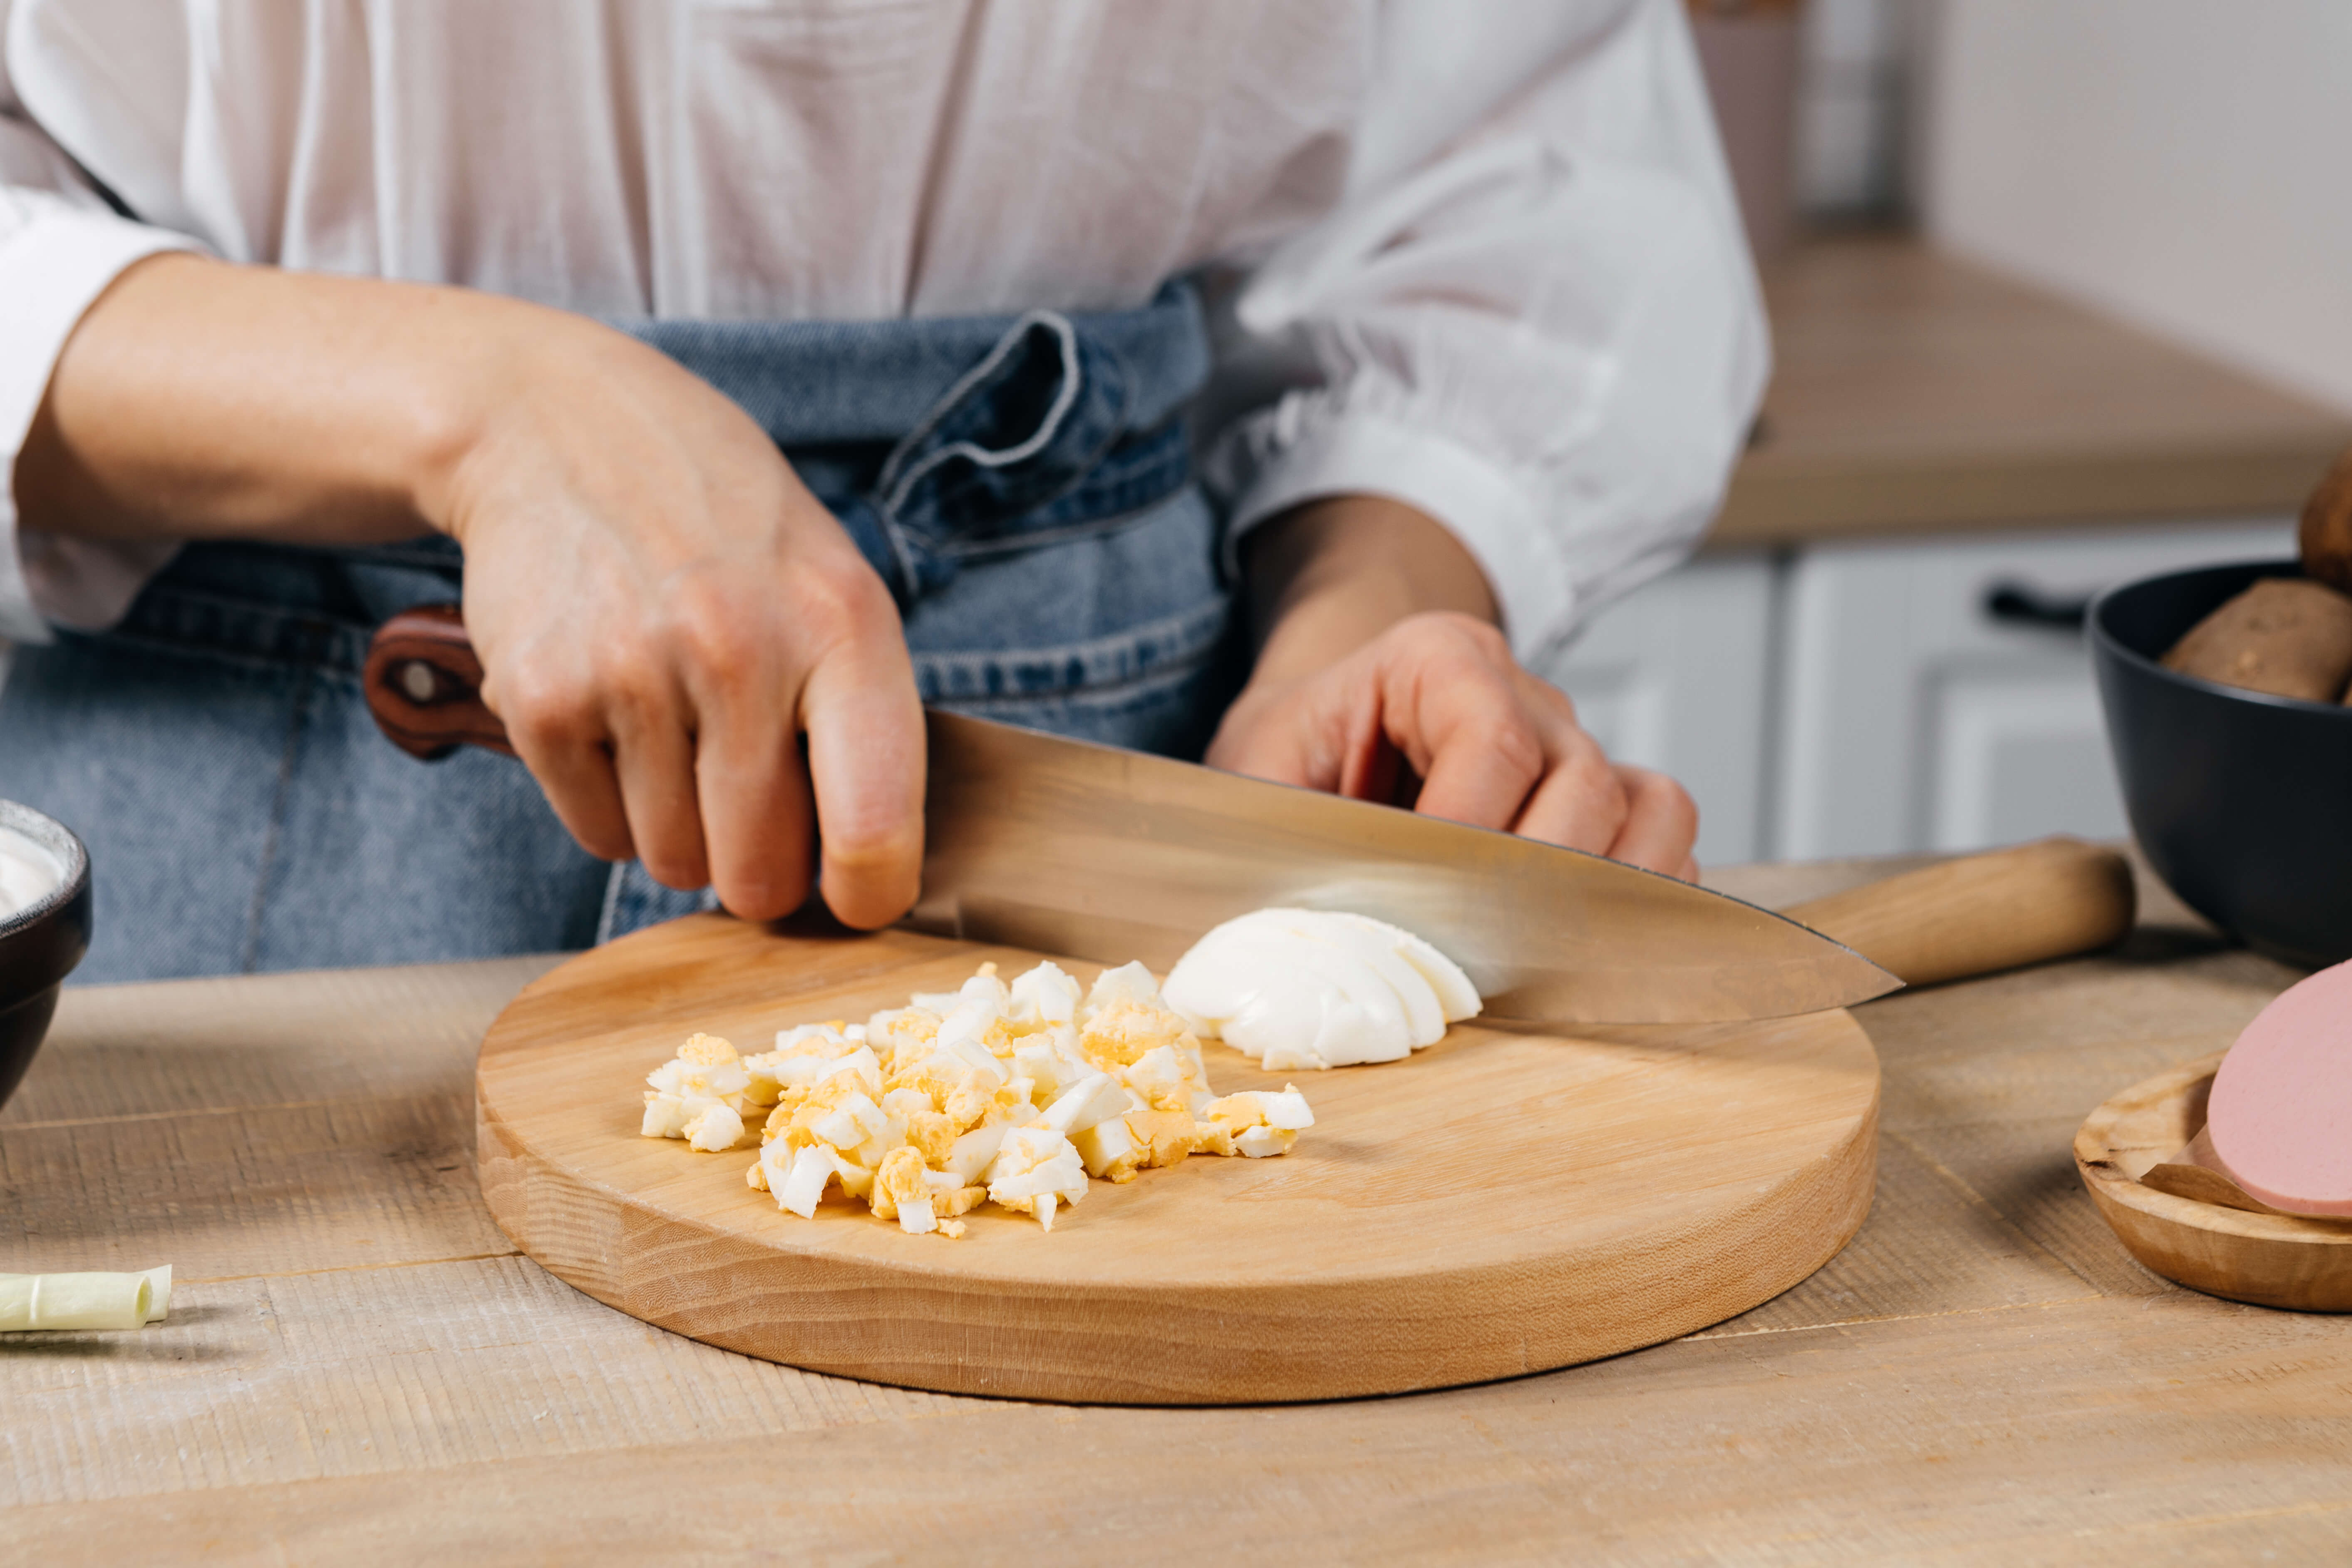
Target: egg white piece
(1456, 998)
(1045, 994)
(1086, 1104)
(1318, 988)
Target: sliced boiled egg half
(1318, 988)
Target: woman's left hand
(1425, 708)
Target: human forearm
(664, 615)
(198, 399)
(1329, 576)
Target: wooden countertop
(358, 1369)
(1916, 393)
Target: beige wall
(2186, 163)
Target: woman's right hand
(663, 610)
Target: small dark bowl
(40, 944)
(2243, 802)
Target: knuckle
(765, 889)
(710, 626)
(1680, 812)
(1679, 803)
(606, 841)
(1546, 695)
(872, 848)
(1515, 744)
(835, 602)
(624, 653)
(637, 693)
(719, 647)
(1599, 794)
(546, 703)
(675, 865)
(1466, 634)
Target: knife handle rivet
(417, 679)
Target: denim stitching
(1172, 674)
(608, 916)
(1070, 476)
(249, 954)
(1066, 398)
(902, 551)
(1074, 669)
(172, 617)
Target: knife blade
(1093, 852)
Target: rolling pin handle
(1981, 914)
(423, 686)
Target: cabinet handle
(2017, 605)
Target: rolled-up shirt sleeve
(60, 247)
(1537, 321)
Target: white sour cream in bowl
(29, 873)
(45, 923)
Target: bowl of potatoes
(2224, 690)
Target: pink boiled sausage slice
(2281, 1113)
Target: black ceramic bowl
(2242, 802)
(40, 944)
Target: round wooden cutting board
(1504, 1202)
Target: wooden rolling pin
(1982, 914)
(1975, 915)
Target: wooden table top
(359, 1368)
(1915, 393)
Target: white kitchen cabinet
(1914, 718)
(1677, 676)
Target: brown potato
(2326, 532)
(2283, 636)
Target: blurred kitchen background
(2062, 295)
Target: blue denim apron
(1025, 486)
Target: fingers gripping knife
(1093, 852)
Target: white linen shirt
(1480, 256)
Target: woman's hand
(662, 609)
(1363, 690)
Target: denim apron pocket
(1023, 483)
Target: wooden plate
(2270, 1259)
(1503, 1202)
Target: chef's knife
(1095, 852)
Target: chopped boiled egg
(1012, 1094)
(699, 1095)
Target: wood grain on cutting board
(1504, 1202)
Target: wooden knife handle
(1982, 914)
(424, 685)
